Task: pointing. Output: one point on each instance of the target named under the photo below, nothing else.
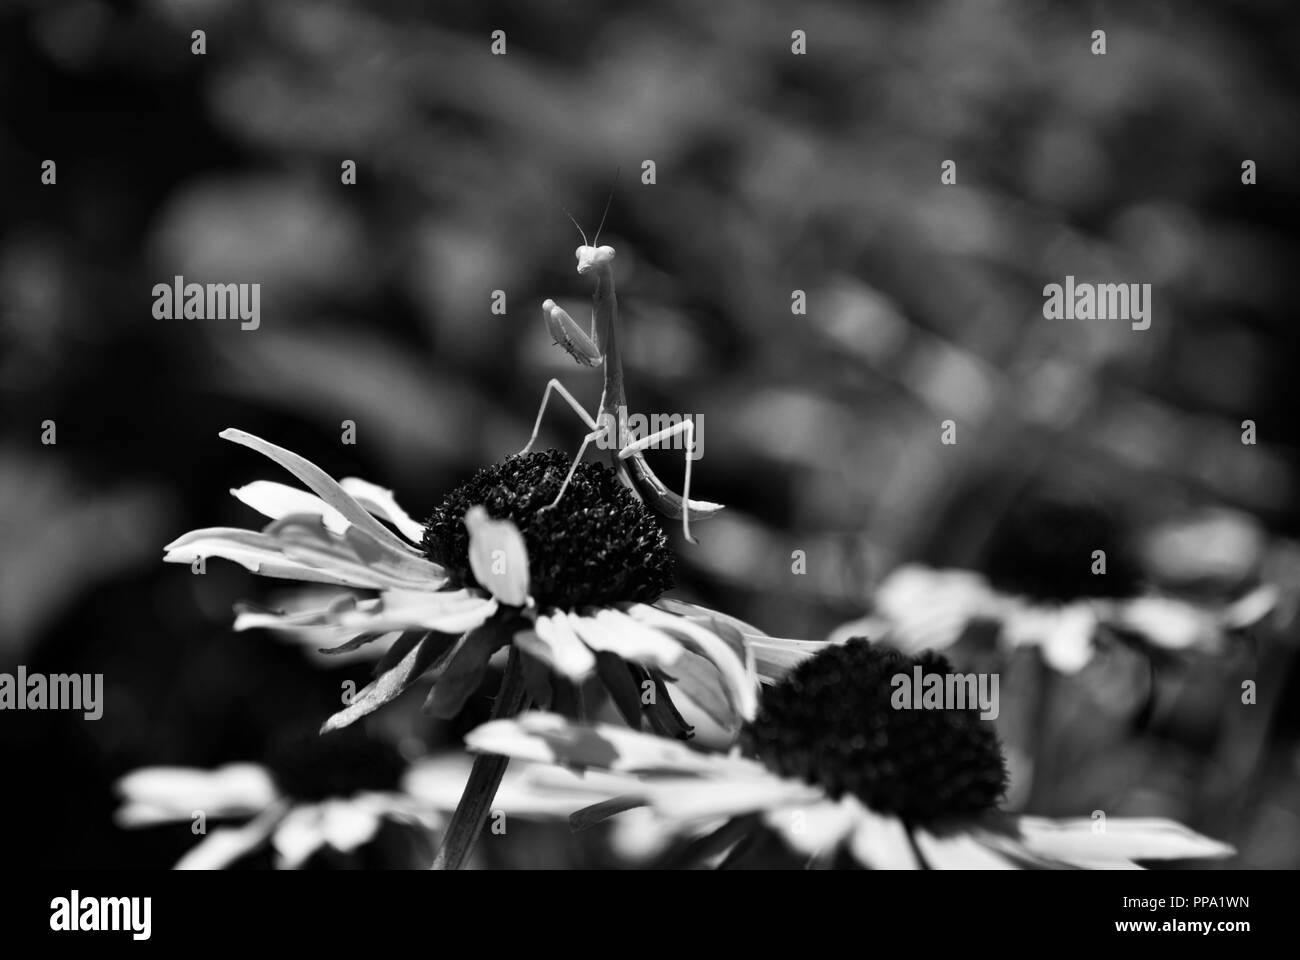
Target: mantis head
(590, 258)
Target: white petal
(880, 841)
(382, 504)
(739, 681)
(554, 642)
(451, 611)
(550, 738)
(299, 836)
(748, 791)
(159, 794)
(814, 828)
(1166, 622)
(774, 657)
(324, 486)
(225, 845)
(1117, 838)
(929, 608)
(346, 825)
(264, 555)
(614, 632)
(279, 500)
(1064, 636)
(498, 557)
(958, 851)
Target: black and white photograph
(595, 437)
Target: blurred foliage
(775, 173)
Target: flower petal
(1117, 838)
(161, 794)
(498, 557)
(450, 611)
(323, 485)
(264, 555)
(958, 851)
(880, 841)
(550, 738)
(279, 500)
(467, 666)
(223, 846)
(346, 825)
(813, 829)
(612, 631)
(739, 682)
(430, 653)
(381, 503)
(553, 641)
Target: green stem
(484, 777)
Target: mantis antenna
(608, 201)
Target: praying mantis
(599, 346)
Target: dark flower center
(1045, 549)
(599, 545)
(831, 722)
(310, 766)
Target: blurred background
(774, 173)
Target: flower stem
(484, 777)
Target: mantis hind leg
(558, 387)
(654, 490)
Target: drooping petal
(1117, 838)
(615, 632)
(467, 667)
(429, 654)
(383, 505)
(498, 557)
(739, 682)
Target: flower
(831, 767)
(1040, 589)
(335, 800)
(576, 587)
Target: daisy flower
(1039, 588)
(333, 801)
(833, 770)
(576, 589)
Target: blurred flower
(577, 588)
(1039, 588)
(833, 766)
(335, 800)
